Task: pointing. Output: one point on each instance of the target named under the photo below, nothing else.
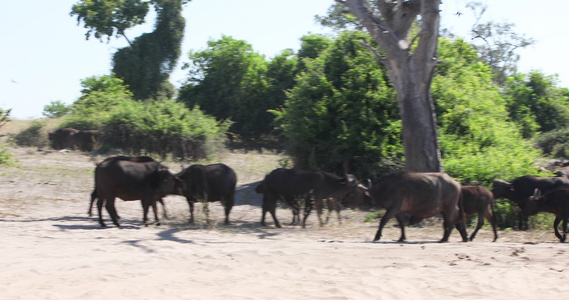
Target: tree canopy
(145, 65)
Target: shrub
(163, 127)
(555, 142)
(5, 156)
(32, 136)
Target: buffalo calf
(479, 200)
(555, 202)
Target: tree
(496, 44)
(144, 65)
(109, 17)
(4, 116)
(535, 103)
(229, 81)
(55, 109)
(341, 116)
(410, 67)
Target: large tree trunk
(411, 72)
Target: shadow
(93, 223)
(169, 236)
(405, 242)
(235, 227)
(137, 244)
(245, 195)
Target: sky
(44, 54)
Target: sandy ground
(51, 248)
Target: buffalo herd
(409, 197)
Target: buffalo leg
(402, 226)
(110, 206)
(100, 210)
(155, 210)
(336, 206)
(205, 209)
(165, 213)
(319, 205)
(293, 203)
(145, 206)
(388, 215)
(447, 230)
(269, 205)
(228, 204)
(492, 219)
(191, 205)
(479, 224)
(93, 197)
(556, 228)
(564, 229)
(308, 203)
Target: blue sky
(45, 55)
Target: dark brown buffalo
(132, 178)
(479, 200)
(85, 140)
(521, 188)
(289, 185)
(555, 202)
(420, 195)
(62, 138)
(209, 183)
(269, 205)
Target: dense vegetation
(152, 127)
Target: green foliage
(163, 127)
(109, 17)
(153, 127)
(555, 142)
(4, 116)
(230, 81)
(55, 109)
(6, 158)
(146, 64)
(477, 142)
(339, 18)
(536, 104)
(100, 95)
(338, 116)
(32, 136)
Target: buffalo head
(356, 195)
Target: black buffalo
(479, 200)
(209, 183)
(62, 138)
(292, 186)
(420, 195)
(521, 188)
(85, 140)
(132, 178)
(555, 202)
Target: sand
(51, 249)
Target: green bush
(6, 158)
(153, 127)
(554, 143)
(32, 136)
(163, 127)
